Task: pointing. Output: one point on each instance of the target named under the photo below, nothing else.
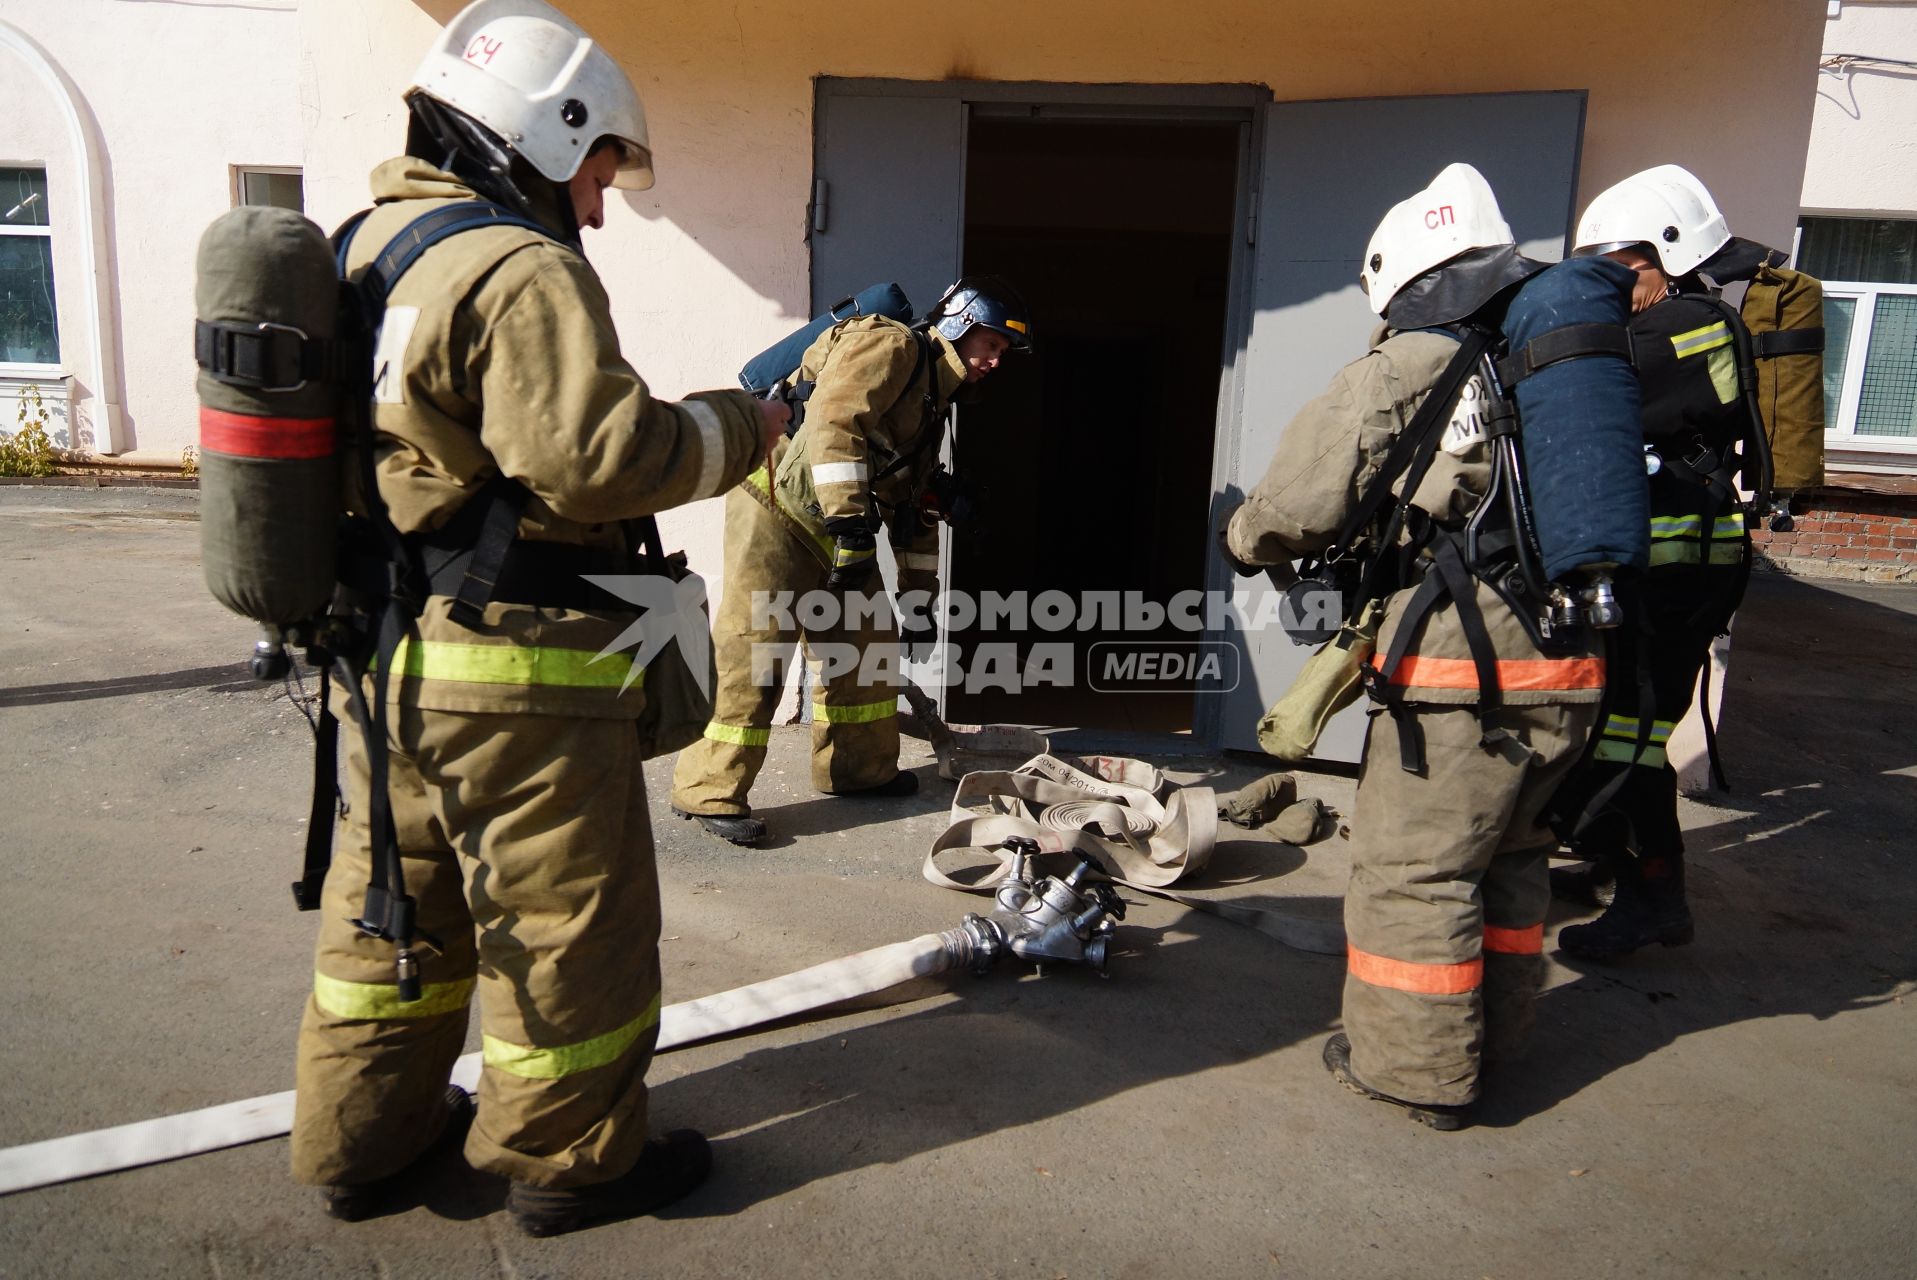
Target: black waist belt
(549, 575)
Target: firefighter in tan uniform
(1448, 889)
(516, 787)
(809, 525)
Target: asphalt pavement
(1743, 1106)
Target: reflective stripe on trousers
(1443, 979)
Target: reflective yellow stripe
(856, 713)
(370, 1000)
(763, 484)
(737, 734)
(512, 664)
(566, 1059)
(1673, 526)
(1709, 338)
(1684, 551)
(1624, 753)
(1626, 727)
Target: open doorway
(1093, 462)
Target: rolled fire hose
(232, 1124)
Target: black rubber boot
(899, 784)
(363, 1200)
(668, 1171)
(1338, 1063)
(1643, 912)
(739, 828)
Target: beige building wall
(176, 94)
(1863, 148)
(711, 264)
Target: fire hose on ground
(1120, 821)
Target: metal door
(1329, 171)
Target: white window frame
(237, 177)
(19, 370)
(1844, 449)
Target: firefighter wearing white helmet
(1448, 889)
(1666, 208)
(1703, 443)
(510, 431)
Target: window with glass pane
(281, 190)
(1839, 315)
(1883, 250)
(29, 331)
(1888, 406)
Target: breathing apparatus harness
(1386, 543)
(855, 539)
(384, 576)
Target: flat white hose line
(232, 1124)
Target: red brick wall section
(1843, 533)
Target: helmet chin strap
(460, 145)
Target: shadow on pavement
(231, 677)
(1804, 891)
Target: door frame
(1242, 104)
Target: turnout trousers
(1636, 831)
(526, 843)
(852, 651)
(1445, 910)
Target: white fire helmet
(1666, 208)
(528, 73)
(1455, 214)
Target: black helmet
(985, 300)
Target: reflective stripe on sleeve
(532, 1063)
(857, 712)
(1418, 979)
(738, 735)
(378, 1000)
(921, 560)
(712, 447)
(839, 473)
(1532, 674)
(513, 664)
(1528, 941)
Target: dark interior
(1092, 463)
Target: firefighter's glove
(1238, 566)
(855, 558)
(918, 639)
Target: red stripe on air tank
(245, 436)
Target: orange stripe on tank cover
(1513, 674)
(1528, 941)
(1419, 979)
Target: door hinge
(819, 192)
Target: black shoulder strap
(927, 435)
(421, 234)
(1420, 434)
(503, 497)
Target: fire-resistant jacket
(1693, 400)
(868, 434)
(497, 353)
(1326, 460)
